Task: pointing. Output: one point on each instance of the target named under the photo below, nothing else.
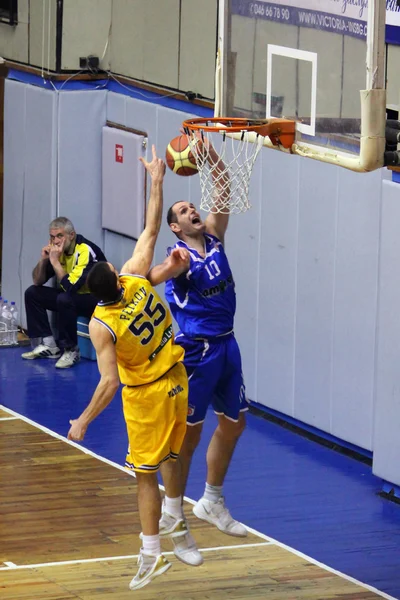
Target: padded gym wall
(52, 167)
(387, 404)
(81, 117)
(30, 133)
(305, 260)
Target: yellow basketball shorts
(155, 416)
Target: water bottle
(5, 324)
(14, 324)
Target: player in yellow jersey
(131, 330)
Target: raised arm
(108, 384)
(144, 250)
(217, 222)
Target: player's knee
(31, 293)
(232, 429)
(146, 481)
(64, 300)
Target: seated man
(69, 257)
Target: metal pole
(224, 37)
(376, 44)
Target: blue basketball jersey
(203, 300)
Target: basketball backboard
(308, 60)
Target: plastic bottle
(5, 323)
(14, 324)
(2, 324)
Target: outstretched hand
(179, 261)
(155, 168)
(203, 149)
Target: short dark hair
(171, 214)
(102, 282)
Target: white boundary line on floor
(254, 531)
(64, 439)
(12, 566)
(9, 418)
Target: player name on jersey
(128, 311)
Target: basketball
(179, 157)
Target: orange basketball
(179, 157)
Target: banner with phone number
(346, 17)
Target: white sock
(49, 341)
(173, 506)
(151, 544)
(212, 492)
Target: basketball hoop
(225, 151)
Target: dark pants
(39, 299)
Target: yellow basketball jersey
(141, 326)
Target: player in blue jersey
(201, 293)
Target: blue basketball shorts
(214, 368)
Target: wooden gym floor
(69, 530)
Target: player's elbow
(114, 384)
(111, 382)
(152, 277)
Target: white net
(225, 165)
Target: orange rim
(280, 131)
